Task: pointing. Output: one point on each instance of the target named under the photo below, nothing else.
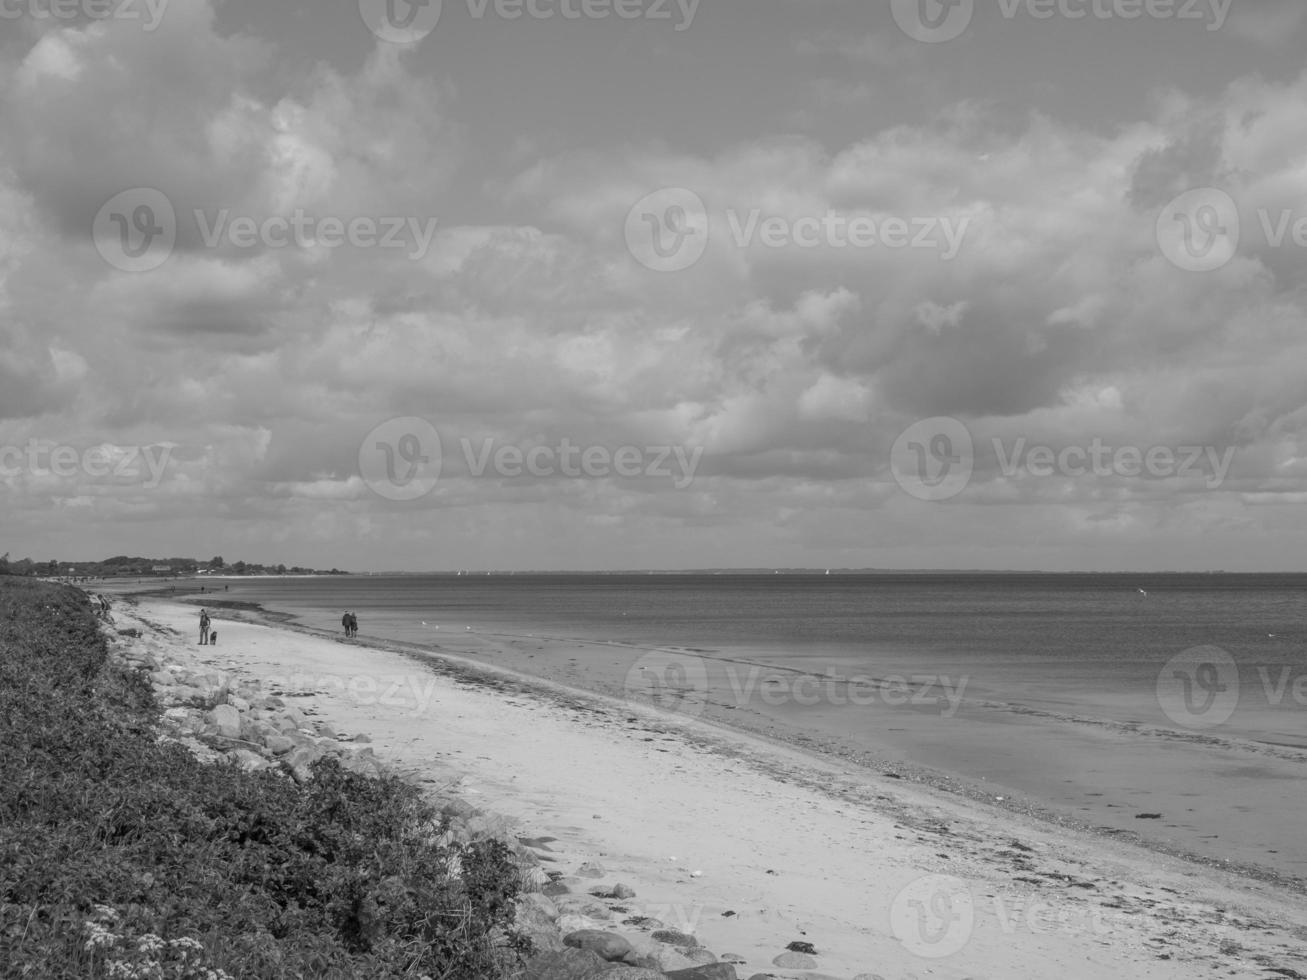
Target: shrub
(123, 856)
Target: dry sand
(880, 876)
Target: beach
(751, 843)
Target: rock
(697, 955)
(458, 809)
(660, 957)
(733, 958)
(240, 704)
(609, 945)
(591, 869)
(533, 923)
(713, 971)
(161, 678)
(795, 961)
(303, 755)
(570, 922)
(541, 902)
(622, 971)
(582, 905)
(278, 744)
(868, 976)
(247, 760)
(555, 888)
(618, 891)
(673, 938)
(227, 720)
(361, 738)
(566, 964)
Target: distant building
(165, 569)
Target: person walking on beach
(204, 627)
(353, 625)
(344, 621)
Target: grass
(121, 855)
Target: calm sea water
(1090, 643)
(1057, 676)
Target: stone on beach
(674, 938)
(713, 971)
(227, 720)
(795, 961)
(591, 869)
(609, 945)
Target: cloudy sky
(735, 283)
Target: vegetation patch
(121, 855)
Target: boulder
(278, 744)
(247, 760)
(618, 891)
(591, 869)
(566, 964)
(795, 961)
(240, 704)
(227, 720)
(555, 888)
(621, 971)
(533, 923)
(697, 955)
(713, 971)
(570, 922)
(609, 945)
(541, 902)
(582, 905)
(674, 938)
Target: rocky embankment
(582, 927)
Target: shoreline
(818, 844)
(820, 746)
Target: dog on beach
(213, 638)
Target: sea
(1170, 709)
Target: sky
(612, 284)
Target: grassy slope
(119, 849)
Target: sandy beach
(751, 844)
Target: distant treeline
(122, 565)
